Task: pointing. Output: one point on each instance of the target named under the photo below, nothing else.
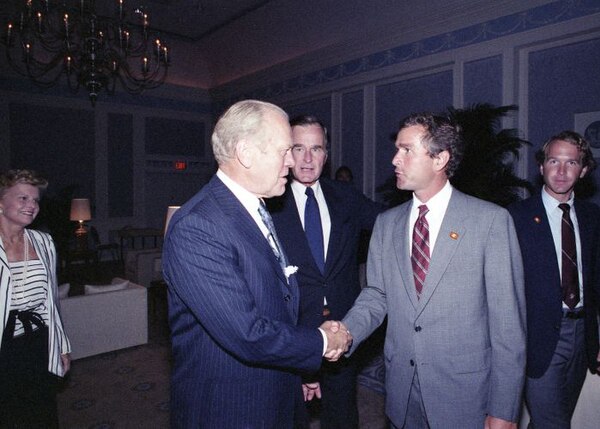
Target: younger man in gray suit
(446, 269)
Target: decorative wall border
(541, 16)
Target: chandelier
(48, 39)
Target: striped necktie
(272, 238)
(420, 250)
(570, 275)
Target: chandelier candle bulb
(8, 33)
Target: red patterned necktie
(570, 275)
(420, 250)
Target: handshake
(338, 339)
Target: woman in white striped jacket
(34, 348)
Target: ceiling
(192, 19)
(214, 42)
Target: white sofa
(103, 322)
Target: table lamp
(80, 212)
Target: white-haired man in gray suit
(446, 269)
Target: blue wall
(432, 93)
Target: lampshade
(80, 209)
(170, 211)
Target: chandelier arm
(92, 51)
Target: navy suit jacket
(542, 279)
(350, 213)
(232, 316)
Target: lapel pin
(537, 219)
(454, 235)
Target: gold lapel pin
(454, 235)
(537, 219)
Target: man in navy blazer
(233, 299)
(562, 340)
(329, 290)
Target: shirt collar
(247, 198)
(438, 201)
(300, 189)
(551, 203)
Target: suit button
(287, 298)
(412, 362)
(417, 329)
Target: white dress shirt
(437, 206)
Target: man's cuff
(324, 341)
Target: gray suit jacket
(466, 335)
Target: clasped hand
(338, 339)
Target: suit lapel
(337, 216)
(401, 242)
(585, 237)
(232, 208)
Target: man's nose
(289, 159)
(308, 155)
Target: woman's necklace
(20, 294)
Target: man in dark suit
(328, 280)
(233, 297)
(560, 286)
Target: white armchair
(102, 322)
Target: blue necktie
(314, 229)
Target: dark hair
(344, 169)
(441, 134)
(306, 120)
(11, 178)
(576, 139)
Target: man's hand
(338, 340)
(498, 423)
(311, 390)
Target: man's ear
(243, 153)
(583, 172)
(441, 160)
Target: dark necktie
(272, 238)
(420, 250)
(570, 276)
(314, 229)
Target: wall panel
(397, 100)
(57, 142)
